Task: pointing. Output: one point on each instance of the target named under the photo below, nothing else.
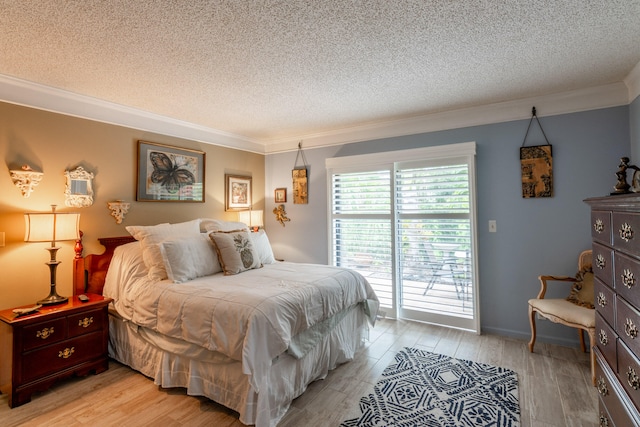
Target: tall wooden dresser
(615, 231)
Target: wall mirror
(79, 189)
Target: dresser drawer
(626, 232)
(626, 278)
(56, 357)
(602, 263)
(44, 333)
(629, 373)
(605, 301)
(628, 324)
(601, 227)
(606, 341)
(86, 322)
(612, 397)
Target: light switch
(492, 226)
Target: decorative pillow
(263, 247)
(186, 258)
(235, 251)
(152, 235)
(582, 290)
(208, 225)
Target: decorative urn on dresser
(615, 232)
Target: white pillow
(186, 258)
(152, 235)
(263, 247)
(235, 251)
(208, 225)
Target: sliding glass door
(408, 226)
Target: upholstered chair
(576, 310)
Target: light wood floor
(554, 386)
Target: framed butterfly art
(169, 174)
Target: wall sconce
(26, 179)
(118, 209)
(52, 227)
(252, 218)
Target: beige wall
(53, 143)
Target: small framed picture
(280, 195)
(237, 192)
(169, 174)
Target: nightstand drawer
(626, 278)
(629, 373)
(601, 226)
(626, 232)
(605, 301)
(44, 333)
(54, 358)
(628, 324)
(86, 322)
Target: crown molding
(605, 96)
(34, 95)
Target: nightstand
(55, 342)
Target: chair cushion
(582, 290)
(562, 311)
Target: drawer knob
(66, 353)
(45, 333)
(632, 378)
(627, 278)
(630, 328)
(603, 390)
(602, 336)
(598, 226)
(626, 232)
(85, 322)
(604, 421)
(602, 300)
(601, 263)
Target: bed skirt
(173, 363)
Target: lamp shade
(251, 218)
(51, 226)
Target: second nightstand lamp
(52, 227)
(252, 218)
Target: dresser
(57, 341)
(615, 232)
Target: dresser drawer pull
(626, 232)
(66, 353)
(598, 226)
(602, 387)
(85, 322)
(627, 278)
(602, 300)
(602, 336)
(601, 263)
(45, 333)
(632, 378)
(604, 421)
(630, 329)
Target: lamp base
(53, 298)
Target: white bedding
(253, 317)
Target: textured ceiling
(266, 70)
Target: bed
(204, 305)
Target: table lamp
(252, 218)
(52, 227)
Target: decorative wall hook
(26, 179)
(119, 209)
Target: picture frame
(238, 192)
(280, 195)
(169, 174)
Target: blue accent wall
(534, 236)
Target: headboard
(90, 272)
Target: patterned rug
(433, 390)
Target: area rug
(426, 389)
